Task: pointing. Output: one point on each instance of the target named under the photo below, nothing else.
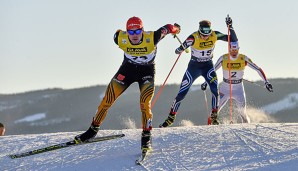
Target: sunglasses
(132, 32)
(234, 50)
(205, 35)
(205, 31)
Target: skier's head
(134, 23)
(134, 28)
(205, 29)
(2, 129)
(234, 49)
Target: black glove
(179, 50)
(204, 86)
(269, 86)
(229, 21)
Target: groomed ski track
(272, 146)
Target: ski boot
(169, 121)
(146, 140)
(146, 146)
(89, 134)
(213, 117)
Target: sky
(228, 147)
(69, 43)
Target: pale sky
(69, 43)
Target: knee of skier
(214, 90)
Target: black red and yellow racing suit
(137, 66)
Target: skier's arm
(256, 68)
(188, 42)
(252, 65)
(224, 37)
(164, 30)
(218, 63)
(116, 36)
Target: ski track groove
(278, 144)
(282, 131)
(168, 157)
(245, 139)
(266, 143)
(186, 138)
(129, 143)
(134, 143)
(223, 142)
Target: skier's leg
(190, 75)
(223, 96)
(147, 91)
(241, 104)
(211, 79)
(115, 88)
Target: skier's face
(234, 52)
(135, 35)
(205, 37)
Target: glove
(178, 27)
(174, 29)
(229, 21)
(179, 50)
(269, 86)
(204, 86)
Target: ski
(64, 145)
(143, 157)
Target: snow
(51, 121)
(263, 146)
(31, 118)
(289, 102)
(6, 106)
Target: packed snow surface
(264, 146)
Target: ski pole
(253, 83)
(186, 50)
(159, 91)
(206, 102)
(206, 105)
(229, 64)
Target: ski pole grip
(186, 50)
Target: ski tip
(138, 162)
(12, 156)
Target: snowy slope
(223, 147)
(287, 103)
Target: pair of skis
(71, 143)
(64, 145)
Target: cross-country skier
(238, 62)
(139, 48)
(202, 44)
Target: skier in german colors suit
(139, 49)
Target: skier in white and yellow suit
(238, 62)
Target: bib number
(207, 53)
